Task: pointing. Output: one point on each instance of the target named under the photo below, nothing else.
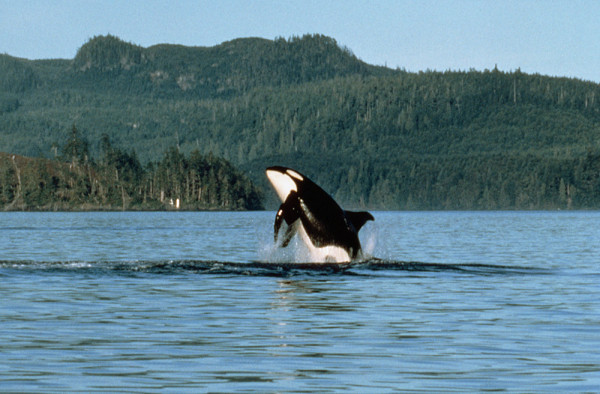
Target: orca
(329, 232)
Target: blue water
(450, 301)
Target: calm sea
(201, 302)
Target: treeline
(118, 181)
(372, 136)
(223, 71)
(469, 183)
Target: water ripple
(260, 268)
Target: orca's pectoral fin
(289, 212)
(359, 219)
(289, 234)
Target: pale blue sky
(559, 38)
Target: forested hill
(118, 181)
(372, 136)
(224, 70)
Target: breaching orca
(329, 232)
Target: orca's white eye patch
(294, 174)
(283, 183)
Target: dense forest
(372, 136)
(118, 181)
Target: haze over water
(451, 301)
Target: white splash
(368, 238)
(299, 252)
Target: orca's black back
(324, 220)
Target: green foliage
(107, 53)
(372, 136)
(76, 149)
(119, 181)
(8, 103)
(16, 75)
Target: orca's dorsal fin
(358, 219)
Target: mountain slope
(372, 136)
(224, 70)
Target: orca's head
(284, 180)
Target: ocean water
(202, 302)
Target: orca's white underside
(325, 254)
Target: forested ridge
(372, 136)
(118, 181)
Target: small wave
(369, 267)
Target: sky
(556, 38)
